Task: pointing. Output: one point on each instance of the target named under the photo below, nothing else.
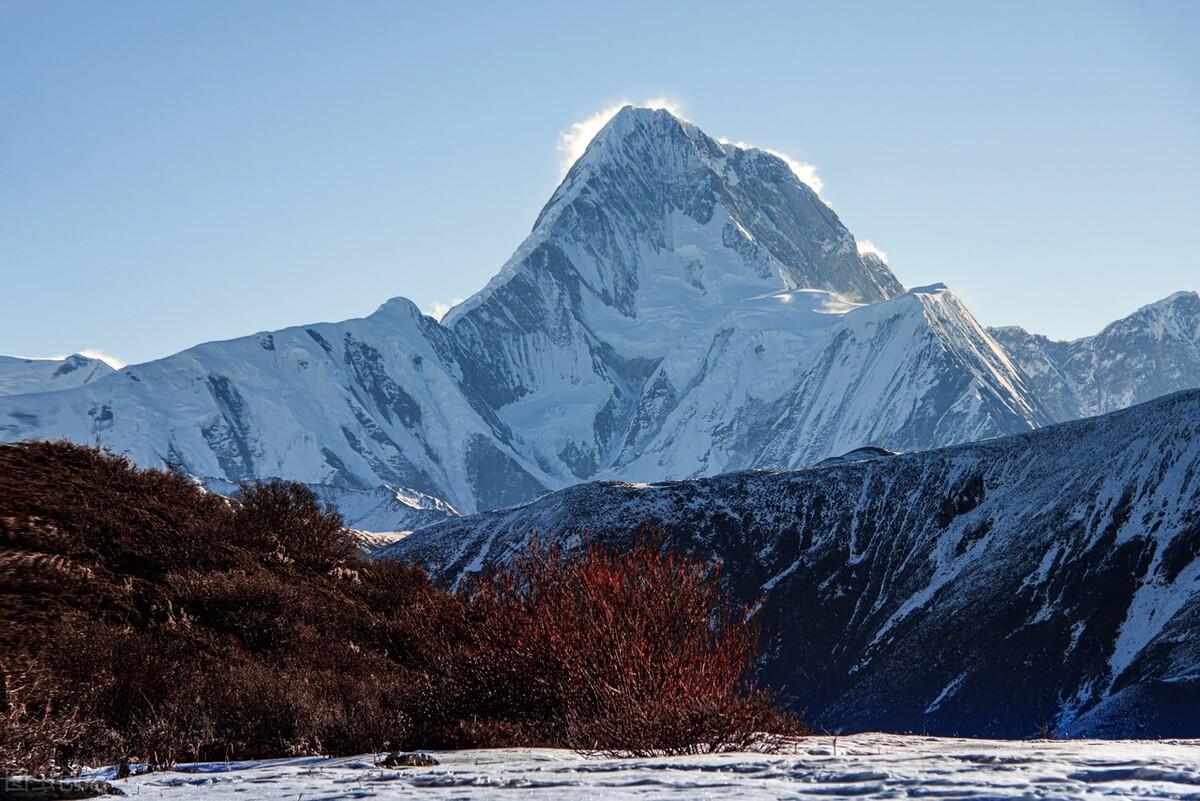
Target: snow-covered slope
(1050, 577)
(1152, 352)
(794, 377)
(820, 768)
(20, 375)
(357, 404)
(681, 307)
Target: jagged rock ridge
(1150, 353)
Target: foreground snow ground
(861, 766)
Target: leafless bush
(635, 653)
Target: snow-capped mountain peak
(400, 307)
(681, 306)
(653, 199)
(1152, 352)
(655, 239)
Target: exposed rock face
(1047, 578)
(400, 760)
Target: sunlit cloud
(866, 246)
(91, 353)
(573, 141)
(95, 353)
(437, 310)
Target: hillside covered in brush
(144, 619)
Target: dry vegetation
(145, 620)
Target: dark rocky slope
(986, 589)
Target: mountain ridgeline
(1043, 580)
(1152, 352)
(682, 307)
(20, 375)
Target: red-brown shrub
(143, 619)
(634, 653)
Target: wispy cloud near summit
(807, 173)
(91, 353)
(574, 140)
(866, 246)
(107, 358)
(437, 310)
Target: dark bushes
(145, 620)
(623, 654)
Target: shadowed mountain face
(985, 589)
(682, 307)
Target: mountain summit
(681, 307)
(655, 207)
(23, 375)
(657, 235)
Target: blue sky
(172, 173)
